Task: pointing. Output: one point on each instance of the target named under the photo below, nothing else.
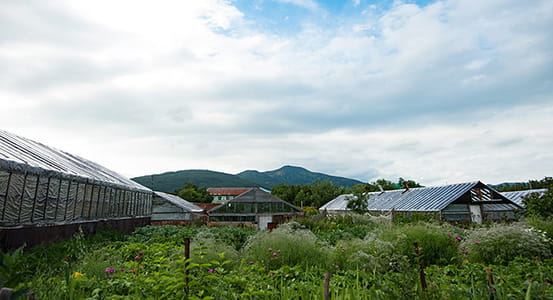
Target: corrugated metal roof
(516, 196)
(414, 199)
(21, 154)
(178, 201)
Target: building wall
(31, 199)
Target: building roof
(227, 191)
(178, 201)
(207, 206)
(413, 199)
(20, 154)
(256, 195)
(517, 196)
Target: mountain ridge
(291, 175)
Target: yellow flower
(465, 261)
(77, 275)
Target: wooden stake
(489, 278)
(186, 257)
(327, 286)
(421, 266)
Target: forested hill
(294, 176)
(171, 181)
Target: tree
(540, 205)
(358, 201)
(286, 192)
(324, 191)
(191, 192)
(410, 183)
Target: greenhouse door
(263, 221)
(476, 214)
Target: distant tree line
(544, 183)
(320, 193)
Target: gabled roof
(227, 191)
(178, 201)
(413, 199)
(23, 155)
(516, 196)
(255, 195)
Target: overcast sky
(435, 91)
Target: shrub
(436, 242)
(502, 243)
(287, 245)
(370, 254)
(205, 248)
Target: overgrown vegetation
(367, 257)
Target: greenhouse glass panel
(28, 200)
(72, 201)
(62, 201)
(15, 191)
(94, 201)
(40, 200)
(52, 200)
(4, 179)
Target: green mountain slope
(293, 176)
(170, 181)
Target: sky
(435, 91)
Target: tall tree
(193, 193)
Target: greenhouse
(462, 202)
(42, 187)
(169, 209)
(254, 206)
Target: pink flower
(140, 252)
(274, 254)
(337, 266)
(343, 249)
(458, 238)
(278, 251)
(131, 271)
(251, 262)
(109, 270)
(137, 257)
(272, 274)
(477, 242)
(464, 250)
(211, 271)
(122, 270)
(270, 249)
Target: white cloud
(445, 92)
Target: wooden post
(327, 286)
(186, 257)
(421, 266)
(489, 279)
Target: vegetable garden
(365, 257)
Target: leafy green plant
(502, 243)
(12, 275)
(288, 245)
(437, 243)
